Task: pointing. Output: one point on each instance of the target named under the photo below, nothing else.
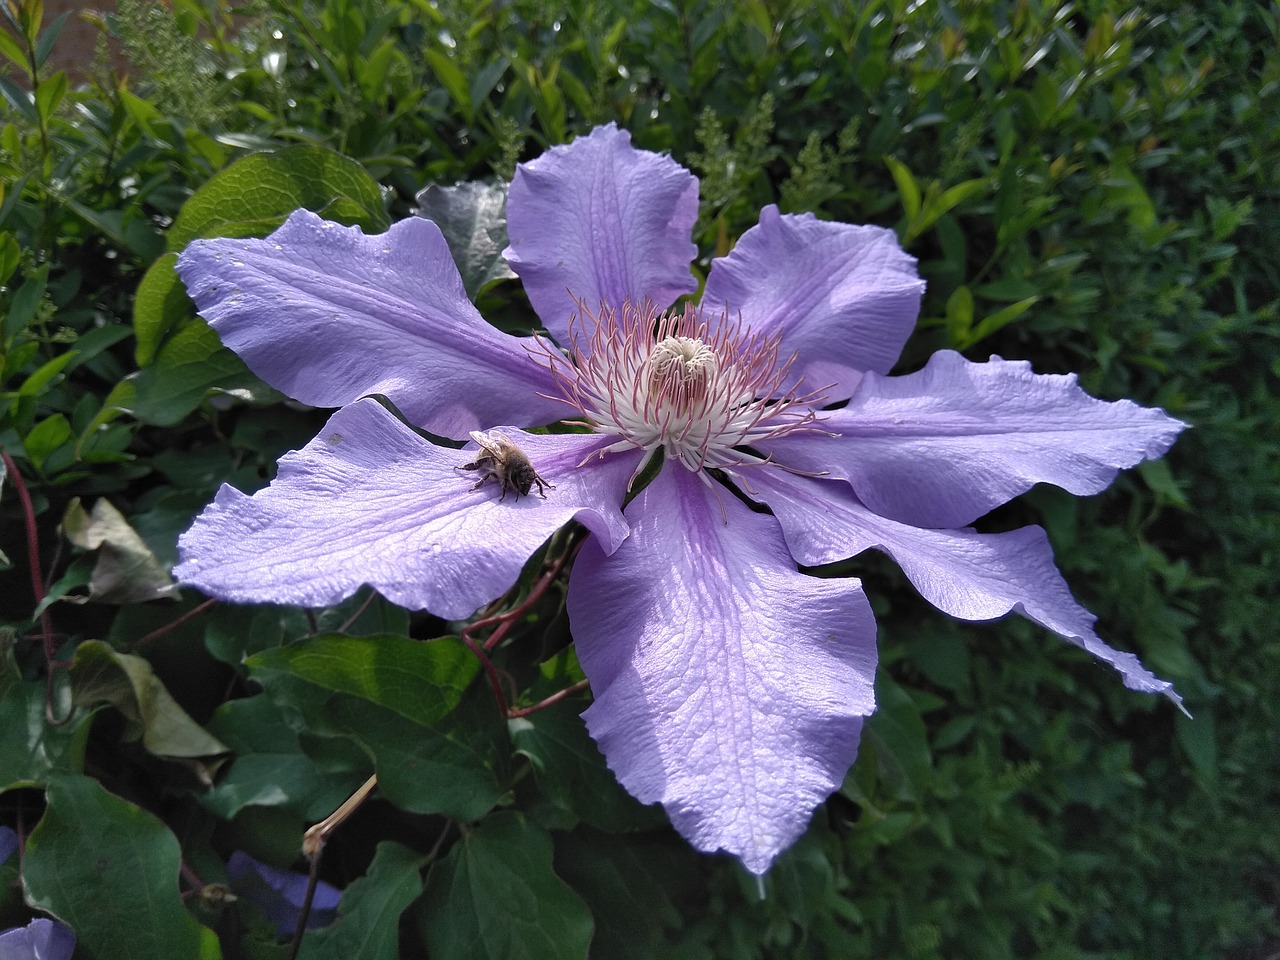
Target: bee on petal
(501, 460)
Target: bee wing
(487, 441)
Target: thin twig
(173, 624)
(554, 698)
(33, 551)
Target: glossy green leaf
(473, 218)
(406, 702)
(101, 675)
(908, 191)
(368, 924)
(496, 897)
(24, 301)
(255, 194)
(110, 871)
(10, 255)
(452, 79)
(160, 305)
(45, 437)
(191, 365)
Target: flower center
(704, 389)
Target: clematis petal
(728, 686)
(970, 575)
(601, 221)
(326, 315)
(370, 501)
(844, 297)
(942, 447)
(280, 894)
(41, 939)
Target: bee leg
(482, 481)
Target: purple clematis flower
(728, 686)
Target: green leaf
(23, 303)
(110, 871)
(126, 571)
(49, 96)
(31, 749)
(995, 321)
(270, 768)
(453, 80)
(160, 305)
(368, 923)
(45, 437)
(406, 703)
(626, 881)
(256, 193)
(908, 191)
(572, 773)
(10, 256)
(896, 734)
(100, 675)
(959, 315)
(190, 365)
(48, 37)
(473, 218)
(496, 897)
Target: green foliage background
(1090, 186)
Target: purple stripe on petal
(972, 576)
(844, 297)
(942, 447)
(601, 221)
(326, 315)
(370, 501)
(728, 686)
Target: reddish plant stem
(359, 613)
(554, 698)
(33, 551)
(504, 621)
(489, 670)
(172, 625)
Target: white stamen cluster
(672, 380)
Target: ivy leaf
(110, 871)
(100, 675)
(126, 570)
(496, 897)
(255, 194)
(406, 703)
(473, 219)
(368, 924)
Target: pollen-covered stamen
(675, 381)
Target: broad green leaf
(125, 229)
(572, 773)
(160, 305)
(34, 385)
(270, 768)
(31, 749)
(126, 570)
(473, 218)
(189, 366)
(422, 682)
(368, 924)
(110, 871)
(49, 96)
(101, 675)
(48, 37)
(496, 897)
(256, 193)
(405, 702)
